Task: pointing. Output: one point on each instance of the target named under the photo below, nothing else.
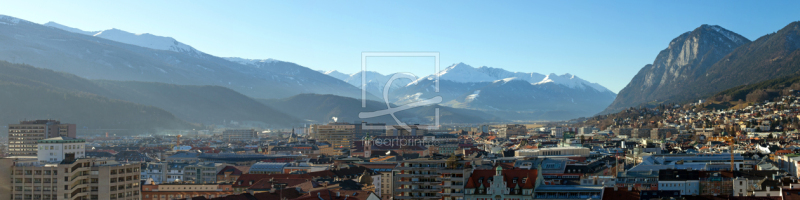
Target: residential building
(554, 151)
(514, 130)
(383, 187)
(69, 179)
(268, 168)
(716, 183)
(229, 174)
(339, 135)
(202, 172)
(56, 148)
(432, 178)
(185, 191)
(517, 184)
(685, 181)
(22, 137)
(239, 134)
(410, 130)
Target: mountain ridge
(687, 58)
(94, 57)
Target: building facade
(185, 191)
(517, 184)
(57, 148)
(72, 179)
(430, 178)
(339, 135)
(22, 137)
(239, 134)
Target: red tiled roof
(288, 193)
(244, 179)
(266, 184)
(235, 171)
(331, 195)
(508, 177)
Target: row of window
(35, 180)
(35, 172)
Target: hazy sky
(600, 41)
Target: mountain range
(117, 55)
(513, 95)
(165, 73)
(710, 59)
(34, 93)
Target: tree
(582, 138)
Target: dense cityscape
(747, 152)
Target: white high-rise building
(55, 149)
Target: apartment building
(503, 184)
(431, 178)
(69, 179)
(55, 149)
(202, 172)
(23, 137)
(555, 151)
(239, 134)
(383, 187)
(339, 135)
(185, 191)
(410, 130)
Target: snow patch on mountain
(464, 73)
(143, 40)
(9, 20)
(337, 75)
(70, 29)
(473, 96)
(728, 34)
(254, 62)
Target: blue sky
(600, 41)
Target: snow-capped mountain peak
(464, 73)
(571, 81)
(245, 61)
(143, 40)
(338, 75)
(728, 34)
(9, 20)
(70, 29)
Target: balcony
(404, 182)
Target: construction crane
(731, 141)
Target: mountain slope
(464, 73)
(687, 58)
(768, 57)
(200, 104)
(166, 61)
(511, 98)
(315, 108)
(42, 98)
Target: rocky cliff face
(686, 58)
